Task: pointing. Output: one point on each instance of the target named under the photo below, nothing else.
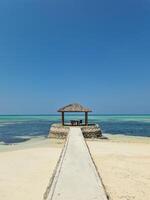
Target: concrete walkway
(76, 177)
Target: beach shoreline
(44, 141)
(34, 142)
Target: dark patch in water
(15, 140)
(126, 128)
(16, 133)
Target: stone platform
(59, 131)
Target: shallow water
(14, 129)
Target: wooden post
(63, 118)
(86, 118)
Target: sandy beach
(26, 168)
(123, 163)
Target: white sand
(124, 165)
(25, 173)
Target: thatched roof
(75, 107)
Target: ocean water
(15, 128)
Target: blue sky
(55, 52)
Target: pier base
(59, 131)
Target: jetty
(89, 130)
(76, 177)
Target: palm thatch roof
(75, 107)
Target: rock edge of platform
(59, 131)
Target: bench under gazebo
(75, 107)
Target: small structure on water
(75, 108)
(88, 130)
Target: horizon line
(73, 114)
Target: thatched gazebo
(75, 107)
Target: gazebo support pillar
(62, 118)
(86, 118)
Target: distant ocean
(20, 128)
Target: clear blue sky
(55, 52)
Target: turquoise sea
(20, 128)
